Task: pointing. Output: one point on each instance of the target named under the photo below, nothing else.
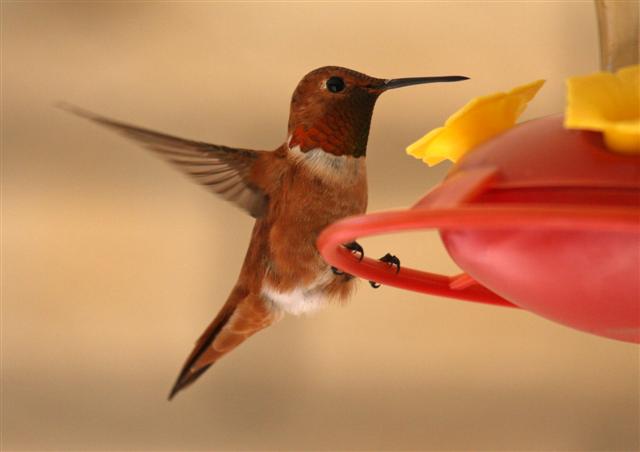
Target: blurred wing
(223, 170)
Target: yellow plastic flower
(481, 119)
(609, 103)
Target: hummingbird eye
(335, 84)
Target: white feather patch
(300, 300)
(297, 301)
(328, 166)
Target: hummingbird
(316, 177)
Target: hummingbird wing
(223, 170)
(242, 315)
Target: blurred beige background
(113, 263)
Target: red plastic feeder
(540, 217)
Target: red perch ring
(540, 217)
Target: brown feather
(242, 315)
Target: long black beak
(401, 82)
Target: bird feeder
(539, 217)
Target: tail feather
(242, 315)
(187, 374)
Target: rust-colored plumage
(315, 178)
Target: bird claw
(391, 260)
(355, 247)
(336, 271)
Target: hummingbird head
(331, 108)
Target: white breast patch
(296, 302)
(300, 300)
(336, 168)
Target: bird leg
(354, 247)
(391, 260)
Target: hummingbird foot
(336, 271)
(391, 260)
(355, 248)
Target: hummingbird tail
(189, 372)
(242, 315)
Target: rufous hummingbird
(317, 176)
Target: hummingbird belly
(317, 192)
(301, 299)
